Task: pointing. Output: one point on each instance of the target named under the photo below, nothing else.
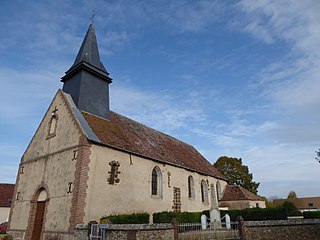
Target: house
(237, 197)
(6, 194)
(303, 204)
(85, 161)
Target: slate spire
(89, 51)
(87, 80)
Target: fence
(196, 231)
(130, 232)
(98, 231)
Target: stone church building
(85, 161)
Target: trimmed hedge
(181, 217)
(311, 214)
(260, 214)
(257, 214)
(134, 218)
(249, 214)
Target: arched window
(156, 182)
(191, 194)
(219, 193)
(204, 192)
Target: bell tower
(87, 80)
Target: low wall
(291, 229)
(131, 232)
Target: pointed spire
(87, 80)
(88, 57)
(89, 50)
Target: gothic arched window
(156, 182)
(204, 192)
(191, 194)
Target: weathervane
(92, 15)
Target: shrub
(7, 237)
(291, 209)
(257, 214)
(207, 213)
(134, 218)
(181, 217)
(312, 214)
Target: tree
(292, 194)
(291, 209)
(268, 203)
(237, 173)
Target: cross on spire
(92, 15)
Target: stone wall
(291, 229)
(135, 181)
(131, 232)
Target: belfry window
(156, 182)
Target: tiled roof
(236, 193)
(128, 135)
(301, 203)
(6, 194)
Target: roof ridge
(127, 134)
(240, 192)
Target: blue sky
(235, 78)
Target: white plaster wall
(49, 162)
(243, 204)
(133, 192)
(66, 134)
(4, 214)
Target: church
(86, 161)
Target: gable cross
(54, 112)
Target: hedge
(257, 214)
(181, 217)
(311, 214)
(291, 209)
(254, 214)
(134, 218)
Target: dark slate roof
(236, 193)
(88, 57)
(6, 194)
(89, 50)
(128, 135)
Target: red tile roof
(236, 193)
(6, 194)
(128, 135)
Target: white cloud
(158, 110)
(26, 93)
(290, 83)
(192, 16)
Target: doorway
(38, 221)
(39, 215)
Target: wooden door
(38, 221)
